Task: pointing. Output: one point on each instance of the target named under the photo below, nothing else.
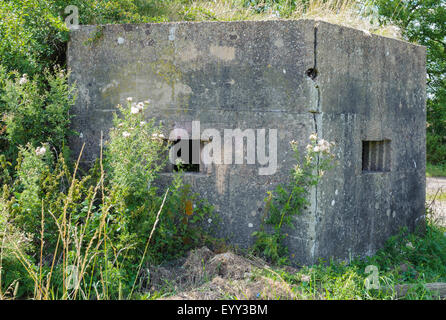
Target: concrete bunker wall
(362, 91)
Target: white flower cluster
(159, 136)
(179, 161)
(40, 151)
(126, 134)
(321, 144)
(23, 79)
(136, 107)
(316, 145)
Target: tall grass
(90, 256)
(351, 13)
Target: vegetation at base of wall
(407, 258)
(291, 199)
(405, 268)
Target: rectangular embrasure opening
(376, 156)
(188, 152)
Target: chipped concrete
(222, 52)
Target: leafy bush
(32, 35)
(134, 155)
(424, 22)
(435, 149)
(33, 113)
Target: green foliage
(99, 225)
(423, 255)
(34, 113)
(424, 22)
(435, 149)
(134, 155)
(407, 258)
(32, 35)
(13, 281)
(435, 170)
(282, 7)
(291, 199)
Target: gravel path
(437, 186)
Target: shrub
(435, 149)
(34, 113)
(135, 154)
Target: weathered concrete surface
(254, 75)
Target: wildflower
(126, 134)
(209, 220)
(23, 79)
(140, 106)
(158, 136)
(316, 149)
(305, 278)
(129, 99)
(323, 145)
(313, 137)
(40, 151)
(120, 124)
(134, 110)
(309, 148)
(142, 123)
(293, 142)
(147, 102)
(410, 245)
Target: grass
(433, 170)
(348, 13)
(406, 259)
(438, 196)
(79, 258)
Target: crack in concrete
(313, 73)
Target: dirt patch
(243, 289)
(204, 275)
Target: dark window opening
(189, 152)
(376, 156)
